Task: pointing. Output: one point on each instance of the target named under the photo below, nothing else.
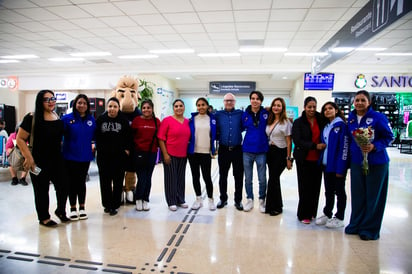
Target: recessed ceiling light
(394, 54)
(169, 51)
(141, 56)
(255, 49)
(66, 59)
(88, 54)
(284, 77)
(20, 56)
(178, 78)
(8, 61)
(306, 53)
(370, 49)
(228, 54)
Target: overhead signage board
(374, 17)
(232, 87)
(320, 81)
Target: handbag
(16, 158)
(142, 157)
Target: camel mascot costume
(127, 93)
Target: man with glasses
(229, 131)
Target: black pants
(77, 174)
(334, 186)
(276, 161)
(230, 156)
(309, 181)
(174, 180)
(111, 184)
(41, 183)
(201, 161)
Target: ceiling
(51, 29)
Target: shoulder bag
(15, 157)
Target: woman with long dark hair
(46, 155)
(279, 131)
(144, 131)
(306, 132)
(79, 129)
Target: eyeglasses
(229, 101)
(49, 99)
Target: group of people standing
(323, 143)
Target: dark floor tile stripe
(51, 263)
(122, 266)
(57, 258)
(185, 218)
(27, 254)
(169, 259)
(186, 229)
(19, 258)
(178, 228)
(83, 267)
(179, 241)
(191, 219)
(116, 271)
(88, 262)
(171, 240)
(162, 254)
(5, 251)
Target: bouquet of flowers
(363, 137)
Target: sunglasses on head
(49, 99)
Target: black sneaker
(221, 204)
(22, 181)
(14, 181)
(239, 206)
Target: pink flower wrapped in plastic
(363, 137)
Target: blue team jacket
(191, 146)
(255, 140)
(337, 148)
(78, 137)
(383, 137)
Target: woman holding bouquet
(369, 167)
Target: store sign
(374, 17)
(11, 82)
(391, 81)
(61, 96)
(233, 87)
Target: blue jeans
(248, 160)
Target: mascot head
(127, 93)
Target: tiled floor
(186, 241)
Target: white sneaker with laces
(248, 206)
(82, 214)
(198, 203)
(262, 205)
(73, 215)
(212, 204)
(334, 223)
(322, 220)
(173, 208)
(146, 206)
(139, 205)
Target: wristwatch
(289, 159)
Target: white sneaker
(172, 208)
(262, 205)
(212, 206)
(334, 223)
(73, 215)
(82, 215)
(248, 206)
(139, 205)
(184, 205)
(129, 196)
(322, 220)
(198, 203)
(146, 206)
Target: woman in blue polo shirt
(79, 128)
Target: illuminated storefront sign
(391, 81)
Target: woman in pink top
(173, 135)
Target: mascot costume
(127, 93)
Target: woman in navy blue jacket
(201, 147)
(368, 191)
(334, 160)
(79, 129)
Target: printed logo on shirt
(110, 126)
(337, 129)
(89, 123)
(265, 116)
(369, 121)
